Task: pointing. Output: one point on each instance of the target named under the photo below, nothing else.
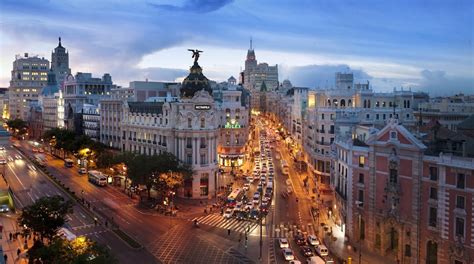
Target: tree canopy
(45, 216)
(18, 126)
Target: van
(322, 250)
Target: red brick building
(397, 202)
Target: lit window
(26, 78)
(26, 73)
(361, 161)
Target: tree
(45, 216)
(19, 126)
(79, 250)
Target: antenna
(251, 42)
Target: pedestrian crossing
(233, 224)
(289, 230)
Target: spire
(251, 43)
(59, 42)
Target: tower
(60, 62)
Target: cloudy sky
(425, 45)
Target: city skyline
(426, 47)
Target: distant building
(448, 111)
(28, 76)
(4, 105)
(60, 63)
(91, 121)
(143, 90)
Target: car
(256, 200)
(246, 186)
(3, 161)
(315, 260)
(228, 213)
(18, 157)
(82, 170)
(253, 214)
(241, 215)
(288, 254)
(249, 206)
(306, 251)
(10, 158)
(283, 242)
(238, 206)
(35, 150)
(2, 148)
(249, 179)
(299, 240)
(313, 240)
(41, 150)
(4, 208)
(31, 167)
(322, 250)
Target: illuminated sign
(202, 107)
(232, 124)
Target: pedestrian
(11, 236)
(18, 251)
(228, 232)
(240, 237)
(5, 257)
(210, 209)
(106, 223)
(205, 211)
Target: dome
(194, 82)
(52, 86)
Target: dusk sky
(425, 45)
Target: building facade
(397, 202)
(187, 128)
(60, 63)
(91, 121)
(28, 76)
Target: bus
(234, 196)
(97, 178)
(68, 163)
(284, 167)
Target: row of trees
(18, 126)
(44, 218)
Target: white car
(10, 158)
(256, 199)
(18, 157)
(249, 206)
(283, 243)
(228, 213)
(3, 161)
(82, 170)
(33, 168)
(313, 240)
(288, 254)
(246, 186)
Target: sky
(419, 45)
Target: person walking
(228, 232)
(11, 236)
(5, 257)
(18, 251)
(240, 238)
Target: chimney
(26, 54)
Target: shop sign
(202, 107)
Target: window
(460, 181)
(189, 123)
(189, 143)
(361, 178)
(361, 196)
(203, 159)
(393, 175)
(361, 161)
(203, 142)
(460, 202)
(189, 159)
(377, 116)
(433, 217)
(393, 135)
(322, 116)
(407, 250)
(434, 173)
(433, 193)
(459, 232)
(203, 122)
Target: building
(60, 63)
(397, 202)
(258, 76)
(91, 121)
(187, 128)
(111, 115)
(28, 76)
(4, 106)
(143, 90)
(448, 111)
(234, 120)
(347, 102)
(51, 104)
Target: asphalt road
(29, 185)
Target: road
(29, 185)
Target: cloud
(196, 6)
(151, 73)
(319, 75)
(439, 83)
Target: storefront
(231, 160)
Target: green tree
(19, 126)
(62, 251)
(45, 216)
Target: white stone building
(28, 76)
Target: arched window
(329, 102)
(365, 103)
(377, 104)
(203, 122)
(189, 122)
(408, 104)
(368, 104)
(334, 102)
(431, 252)
(349, 103)
(343, 103)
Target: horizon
(406, 44)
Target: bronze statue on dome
(195, 54)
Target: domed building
(194, 82)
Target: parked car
(283, 242)
(288, 254)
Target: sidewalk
(10, 247)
